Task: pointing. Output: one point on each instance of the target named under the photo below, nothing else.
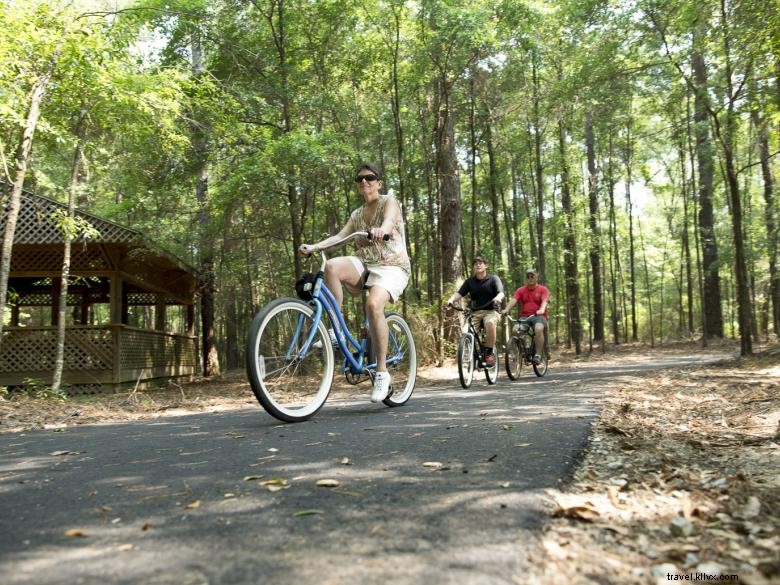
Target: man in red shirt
(533, 299)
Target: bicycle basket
(304, 285)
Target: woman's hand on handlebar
(307, 249)
(377, 233)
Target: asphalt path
(447, 489)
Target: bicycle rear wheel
(466, 363)
(401, 360)
(290, 386)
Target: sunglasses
(530, 276)
(369, 178)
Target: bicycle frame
(527, 336)
(323, 300)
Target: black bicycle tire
(256, 381)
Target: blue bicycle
(291, 359)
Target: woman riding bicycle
(382, 266)
(486, 292)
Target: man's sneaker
(490, 360)
(381, 386)
(333, 341)
(537, 359)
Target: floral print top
(389, 253)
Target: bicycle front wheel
(541, 368)
(466, 363)
(513, 359)
(291, 385)
(491, 374)
(401, 360)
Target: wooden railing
(95, 355)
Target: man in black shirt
(486, 292)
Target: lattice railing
(29, 352)
(142, 348)
(32, 349)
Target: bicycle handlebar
(342, 241)
(483, 308)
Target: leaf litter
(681, 476)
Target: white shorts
(391, 278)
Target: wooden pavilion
(131, 307)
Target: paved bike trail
(447, 489)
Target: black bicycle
(471, 353)
(520, 349)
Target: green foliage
(291, 97)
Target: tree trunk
(494, 203)
(713, 315)
(448, 187)
(595, 237)
(539, 175)
(569, 246)
(22, 157)
(473, 169)
(68, 236)
(613, 250)
(769, 217)
(200, 142)
(631, 252)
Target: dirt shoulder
(681, 476)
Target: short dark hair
(371, 167)
(479, 259)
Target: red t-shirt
(531, 300)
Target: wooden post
(55, 300)
(116, 297)
(159, 312)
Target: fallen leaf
(60, 453)
(331, 483)
(433, 464)
(75, 533)
(124, 547)
(612, 492)
(276, 484)
(574, 507)
(192, 505)
(504, 484)
(253, 477)
(345, 461)
(274, 481)
(310, 512)
(147, 526)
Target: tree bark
(539, 169)
(22, 157)
(713, 315)
(595, 236)
(59, 359)
(448, 186)
(200, 142)
(569, 246)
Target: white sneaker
(333, 341)
(381, 386)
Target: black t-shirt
(481, 291)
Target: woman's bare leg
(378, 297)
